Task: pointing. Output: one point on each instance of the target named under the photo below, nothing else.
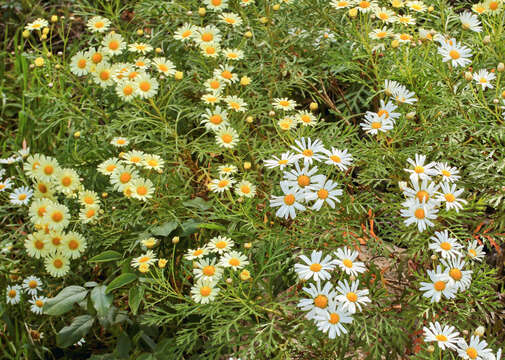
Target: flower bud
(140, 32)
(353, 12)
(479, 331)
(45, 31)
(248, 34)
(468, 76)
(430, 348)
(245, 80)
(229, 280)
(411, 115)
(43, 37)
(263, 20)
(245, 275)
(431, 8)
(54, 18)
(500, 67)
(158, 50)
(496, 101)
(402, 185)
(249, 119)
(104, 195)
(276, 7)
(202, 11)
(248, 245)
(271, 113)
(503, 94)
(395, 43)
(313, 106)
(162, 263)
(26, 34)
(434, 257)
(39, 61)
(175, 240)
(486, 40)
(178, 75)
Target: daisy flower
(67, 180)
(449, 174)
(197, 253)
(220, 244)
(153, 162)
(470, 21)
(374, 123)
(306, 118)
(233, 259)
(284, 104)
(37, 24)
(80, 63)
(221, 184)
(309, 150)
(323, 192)
(301, 179)
(493, 6)
(346, 261)
(391, 87)
(36, 245)
(438, 286)
(214, 119)
(340, 4)
(97, 56)
(246, 189)
(230, 19)
(204, 291)
(103, 75)
(47, 168)
(113, 43)
(148, 258)
(211, 49)
(73, 245)
(316, 267)
(458, 55)
(387, 110)
(38, 209)
(289, 202)
(120, 141)
(147, 86)
(57, 265)
(475, 251)
(424, 191)
(31, 285)
(225, 73)
(133, 157)
(286, 159)
(140, 47)
(479, 8)
(5, 184)
(318, 300)
(446, 336)
(404, 96)
(211, 98)
(184, 32)
(227, 170)
(417, 6)
(484, 78)
(208, 270)
(339, 158)
(458, 277)
(365, 6)
(122, 176)
(126, 90)
(109, 166)
(233, 54)
(421, 170)
(215, 85)
(55, 241)
(43, 190)
(226, 137)
(13, 294)
(446, 246)
(142, 63)
(235, 103)
(287, 123)
(142, 189)
(89, 214)
(217, 5)
(37, 304)
(476, 350)
(419, 213)
(208, 34)
(98, 24)
(350, 297)
(450, 194)
(21, 196)
(386, 15)
(405, 20)
(331, 319)
(164, 66)
(379, 34)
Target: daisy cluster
(213, 43)
(384, 119)
(50, 217)
(112, 62)
(448, 339)
(291, 118)
(225, 181)
(143, 262)
(31, 287)
(329, 306)
(124, 171)
(210, 264)
(433, 185)
(304, 184)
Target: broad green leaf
(71, 334)
(101, 300)
(65, 300)
(190, 227)
(135, 296)
(198, 203)
(120, 281)
(212, 226)
(109, 255)
(164, 229)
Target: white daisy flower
(286, 159)
(424, 191)
(315, 267)
(323, 192)
(235, 103)
(387, 110)
(206, 269)
(301, 179)
(230, 19)
(213, 119)
(470, 21)
(341, 4)
(221, 184)
(446, 336)
(374, 123)
(37, 304)
(98, 24)
(32, 285)
(38, 24)
(419, 169)
(140, 47)
(233, 259)
(21, 196)
(450, 195)
(447, 247)
(198, 253)
(476, 350)
(330, 320)
(246, 189)
(484, 78)
(5, 184)
(365, 6)
(227, 169)
(13, 294)
(208, 34)
(339, 158)
(350, 297)
(184, 32)
(220, 244)
(418, 213)
(318, 299)
(346, 261)
(458, 277)
(404, 96)
(204, 291)
(449, 174)
(216, 5)
(475, 251)
(284, 104)
(309, 150)
(438, 286)
(386, 15)
(289, 202)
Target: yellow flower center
(221, 244)
(376, 125)
(422, 195)
(227, 138)
(12, 293)
(364, 4)
(96, 58)
(90, 213)
(223, 183)
(207, 37)
(441, 337)
(321, 301)
(483, 80)
(99, 24)
(315, 267)
(110, 168)
(282, 162)
(22, 197)
(216, 119)
(153, 162)
(234, 262)
(32, 284)
(145, 86)
(57, 216)
(347, 263)
(303, 180)
(216, 2)
(289, 199)
(227, 74)
(322, 194)
(284, 103)
(39, 245)
(104, 75)
(57, 263)
(39, 303)
(419, 169)
(456, 274)
(114, 45)
(205, 291)
(73, 244)
(307, 152)
(419, 213)
(472, 253)
(446, 246)
(449, 197)
(472, 353)
(125, 177)
(439, 285)
(48, 169)
(209, 270)
(493, 5)
(245, 189)
(186, 33)
(66, 181)
(352, 297)
(81, 64)
(198, 252)
(334, 318)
